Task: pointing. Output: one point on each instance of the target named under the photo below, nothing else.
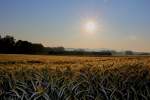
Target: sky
(120, 24)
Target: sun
(90, 26)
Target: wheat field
(42, 77)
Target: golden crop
(45, 77)
(72, 61)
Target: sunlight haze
(112, 24)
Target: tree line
(9, 45)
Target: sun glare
(90, 27)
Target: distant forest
(9, 45)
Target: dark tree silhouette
(7, 44)
(23, 47)
(37, 48)
(56, 50)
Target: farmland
(43, 77)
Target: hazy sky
(121, 24)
